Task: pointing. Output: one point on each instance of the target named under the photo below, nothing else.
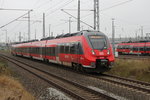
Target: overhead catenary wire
(60, 7)
(76, 18)
(116, 5)
(14, 20)
(55, 5)
(109, 7)
(54, 10)
(38, 7)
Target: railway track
(74, 89)
(133, 85)
(136, 57)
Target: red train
(85, 50)
(139, 47)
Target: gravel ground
(36, 86)
(134, 57)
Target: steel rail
(89, 91)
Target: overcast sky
(129, 17)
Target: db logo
(101, 53)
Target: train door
(78, 52)
(57, 52)
(144, 48)
(40, 52)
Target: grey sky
(129, 17)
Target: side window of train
(79, 48)
(62, 48)
(148, 48)
(56, 50)
(48, 51)
(44, 50)
(32, 50)
(53, 51)
(40, 49)
(72, 48)
(35, 50)
(135, 48)
(67, 50)
(142, 48)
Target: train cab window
(98, 42)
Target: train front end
(98, 52)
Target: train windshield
(98, 42)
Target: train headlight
(93, 52)
(108, 52)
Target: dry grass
(3, 68)
(11, 89)
(136, 69)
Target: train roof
(24, 41)
(83, 32)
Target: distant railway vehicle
(86, 50)
(139, 47)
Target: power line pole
(24, 36)
(43, 25)
(78, 21)
(96, 15)
(19, 36)
(77, 18)
(51, 34)
(69, 24)
(136, 37)
(49, 29)
(15, 37)
(113, 35)
(28, 25)
(142, 32)
(6, 35)
(35, 34)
